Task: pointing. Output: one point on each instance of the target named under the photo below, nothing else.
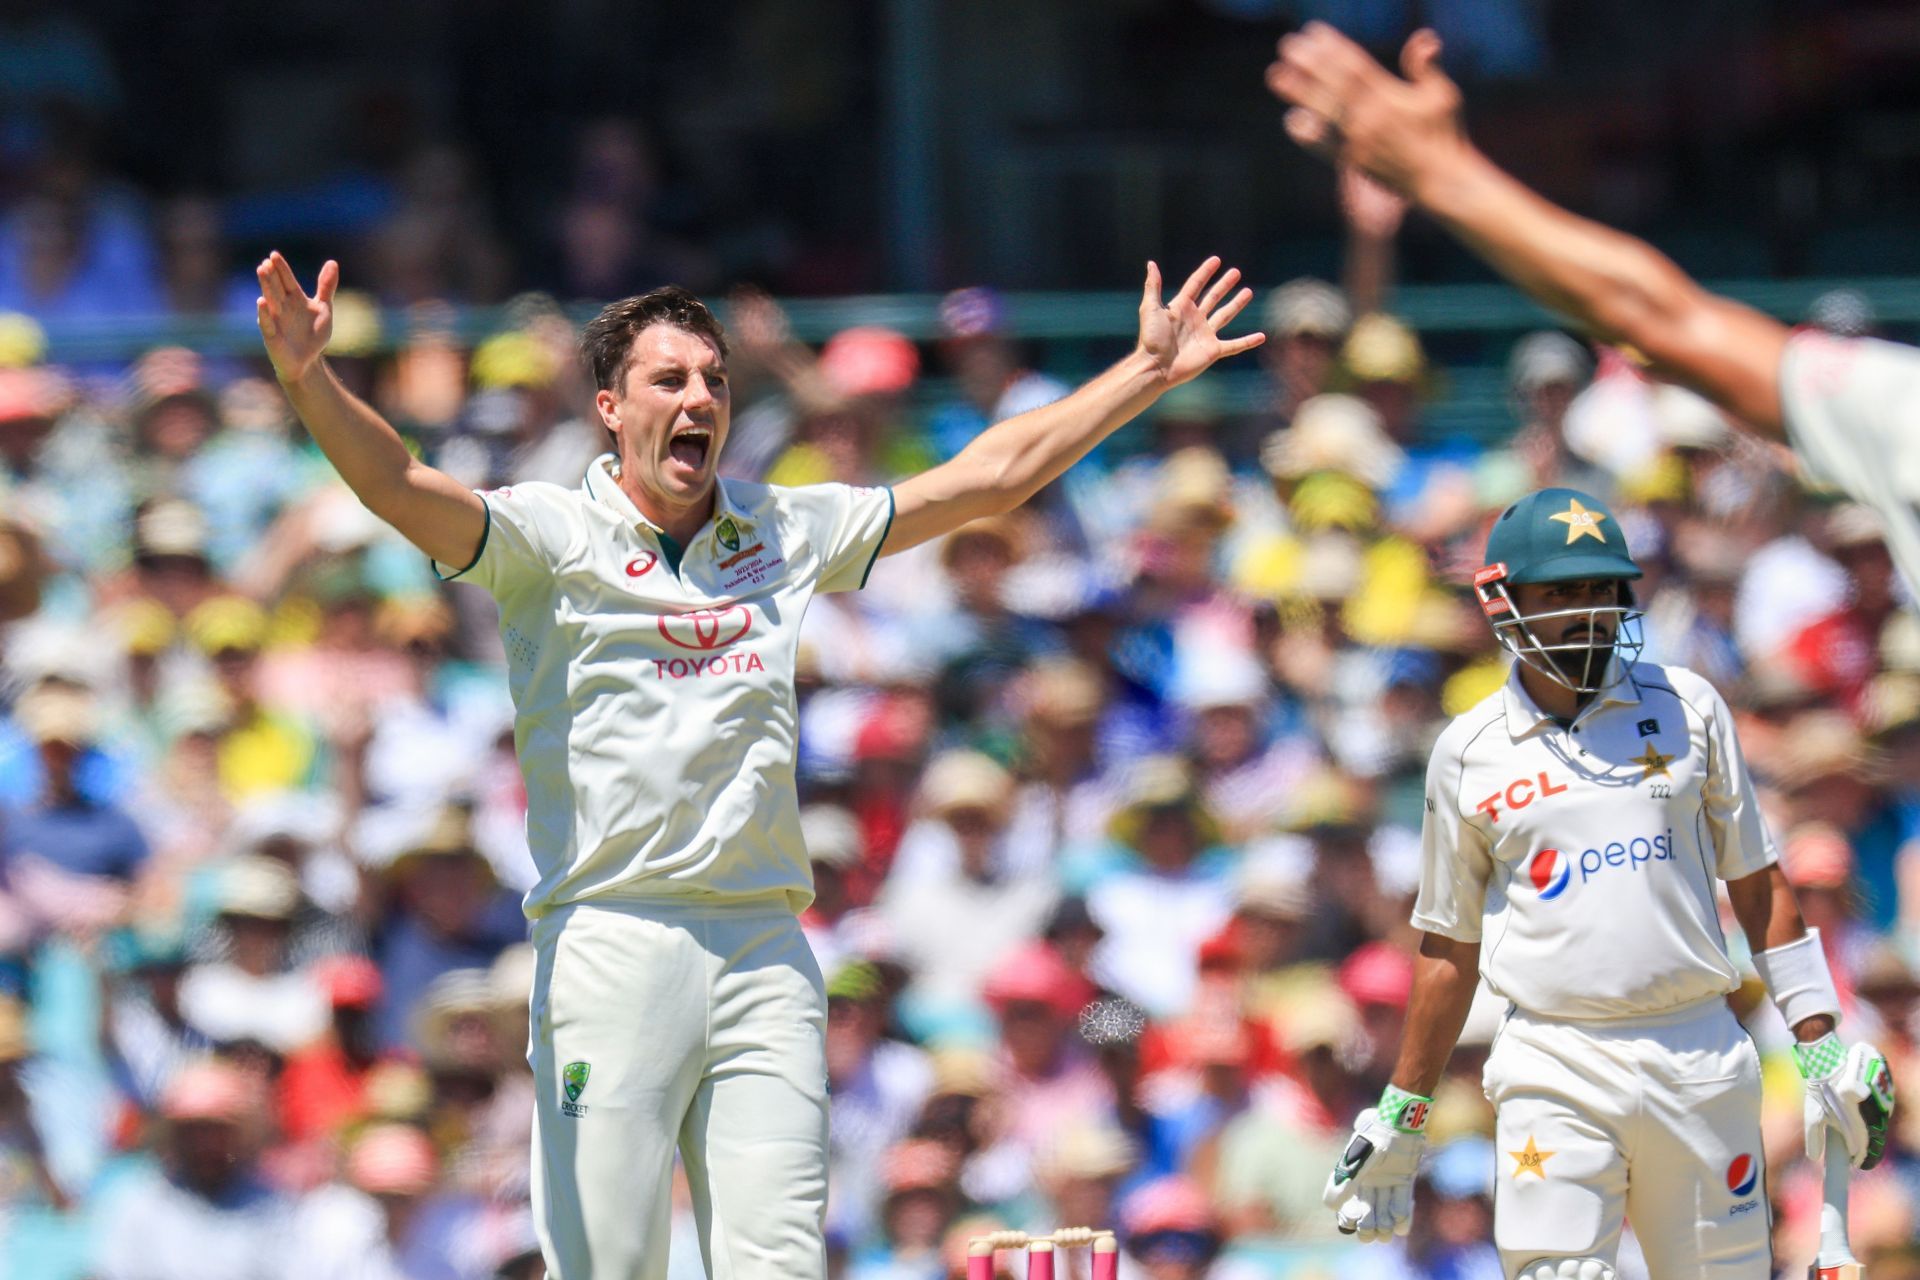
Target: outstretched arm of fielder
(1407, 133)
(431, 509)
(1010, 462)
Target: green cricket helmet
(1561, 535)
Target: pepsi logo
(1550, 872)
(641, 563)
(707, 628)
(1742, 1174)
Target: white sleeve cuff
(1798, 979)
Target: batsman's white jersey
(653, 685)
(675, 1002)
(1582, 858)
(1852, 408)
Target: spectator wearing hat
(1545, 372)
(431, 738)
(878, 1086)
(467, 1037)
(66, 826)
(957, 901)
(252, 994)
(443, 909)
(1158, 887)
(170, 562)
(206, 1211)
(388, 1218)
(1273, 910)
(984, 360)
(1064, 795)
(996, 382)
(1216, 1056)
(1819, 864)
(1049, 1076)
(148, 1037)
(1388, 369)
(323, 1087)
(264, 749)
(922, 1198)
(835, 849)
(1171, 1229)
(1306, 320)
(1831, 774)
(1836, 656)
(1378, 979)
(1082, 1170)
(841, 409)
(247, 472)
(978, 643)
(1177, 548)
(1265, 1180)
(1243, 772)
(889, 750)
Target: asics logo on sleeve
(1551, 871)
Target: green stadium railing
(1078, 329)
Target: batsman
(1576, 822)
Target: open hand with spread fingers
(1352, 109)
(295, 327)
(1182, 335)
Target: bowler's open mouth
(689, 446)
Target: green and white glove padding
(1851, 1090)
(1371, 1190)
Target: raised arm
(1407, 133)
(1010, 462)
(431, 509)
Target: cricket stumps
(1040, 1249)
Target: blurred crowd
(1113, 803)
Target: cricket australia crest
(573, 1082)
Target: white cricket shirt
(655, 717)
(1852, 408)
(1582, 858)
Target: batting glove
(1851, 1090)
(1371, 1190)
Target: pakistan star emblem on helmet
(574, 1080)
(1580, 522)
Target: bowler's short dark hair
(608, 340)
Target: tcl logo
(1518, 795)
(706, 629)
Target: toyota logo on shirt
(706, 629)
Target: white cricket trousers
(1654, 1120)
(662, 1023)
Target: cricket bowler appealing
(651, 618)
(1576, 822)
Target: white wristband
(1798, 979)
